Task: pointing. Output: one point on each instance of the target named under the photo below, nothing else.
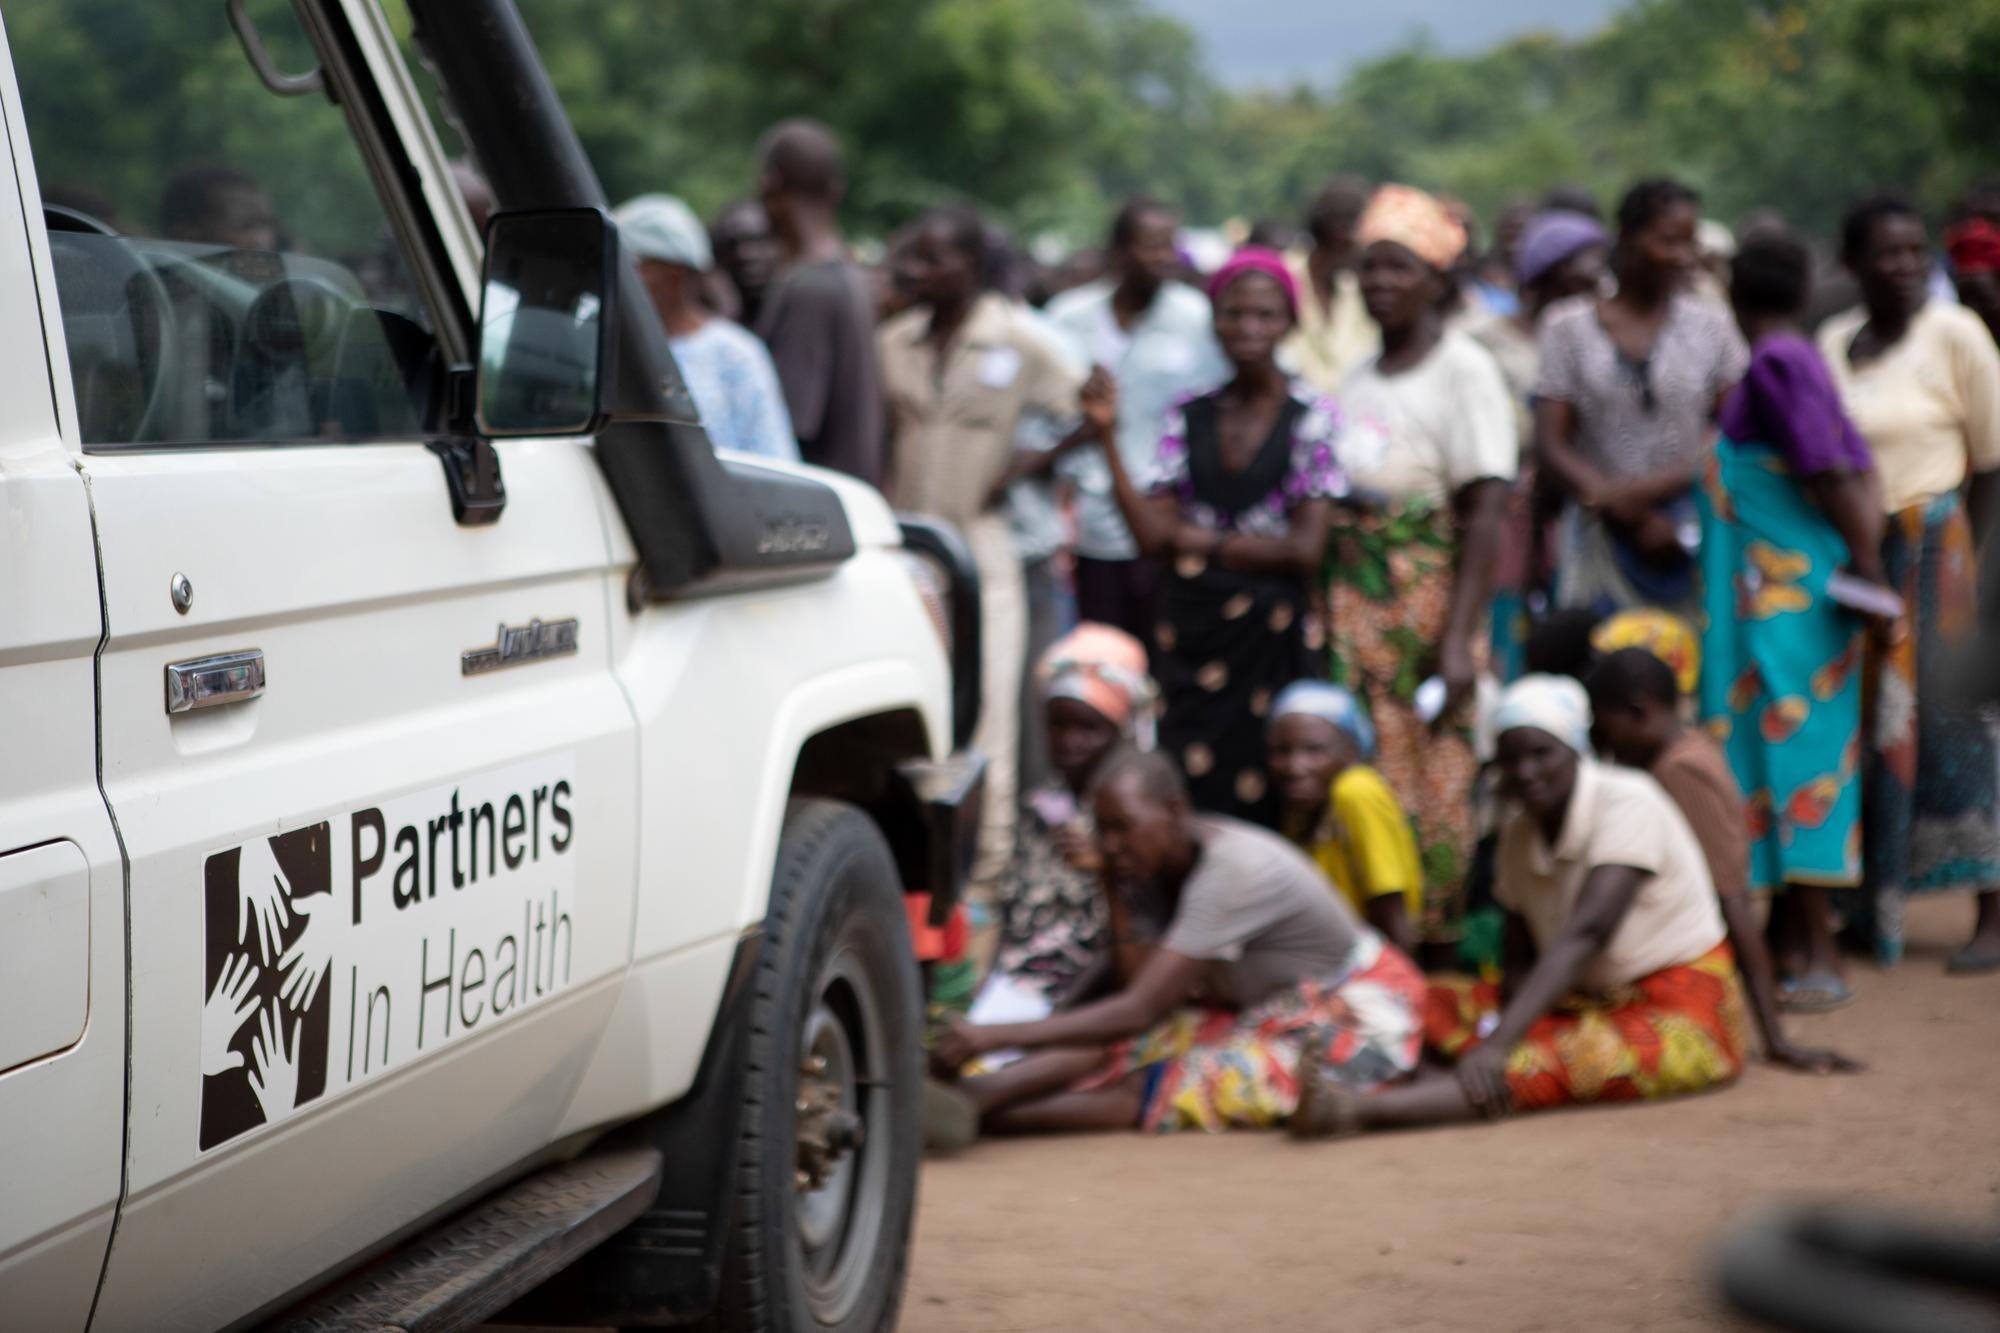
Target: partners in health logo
(266, 1025)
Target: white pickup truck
(454, 826)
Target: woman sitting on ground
(1341, 811)
(1636, 701)
(1633, 992)
(1256, 959)
(1053, 925)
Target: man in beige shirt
(1334, 333)
(958, 370)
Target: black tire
(835, 929)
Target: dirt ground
(1586, 1219)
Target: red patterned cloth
(1680, 1030)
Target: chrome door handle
(204, 682)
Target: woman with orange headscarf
(1097, 698)
(1433, 441)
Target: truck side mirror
(544, 321)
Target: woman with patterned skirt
(1633, 992)
(1432, 439)
(1790, 503)
(1921, 381)
(1238, 505)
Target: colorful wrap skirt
(1781, 680)
(1680, 1030)
(1217, 1069)
(1930, 817)
(1389, 582)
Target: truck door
(62, 899)
(372, 771)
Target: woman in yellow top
(1341, 811)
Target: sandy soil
(1587, 1219)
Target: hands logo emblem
(265, 1022)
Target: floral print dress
(1229, 641)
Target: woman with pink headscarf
(1432, 437)
(1238, 507)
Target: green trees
(1033, 108)
(1797, 104)
(1048, 112)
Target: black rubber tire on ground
(836, 903)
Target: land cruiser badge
(526, 643)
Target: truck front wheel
(827, 1160)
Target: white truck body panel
(675, 729)
(62, 1110)
(362, 596)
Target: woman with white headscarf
(1632, 993)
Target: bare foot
(1328, 1108)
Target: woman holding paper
(1790, 504)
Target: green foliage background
(1048, 112)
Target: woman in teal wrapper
(1789, 502)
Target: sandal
(1814, 993)
(1974, 960)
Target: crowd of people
(1423, 678)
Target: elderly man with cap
(725, 367)
(1633, 991)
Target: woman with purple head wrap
(1561, 254)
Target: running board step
(485, 1258)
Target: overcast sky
(1275, 42)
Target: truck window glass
(225, 271)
